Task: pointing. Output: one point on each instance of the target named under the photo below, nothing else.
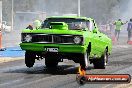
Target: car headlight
(77, 40)
(28, 38)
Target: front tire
(101, 62)
(29, 58)
(84, 61)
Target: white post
(78, 7)
(12, 23)
(0, 13)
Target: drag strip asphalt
(15, 74)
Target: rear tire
(101, 62)
(51, 61)
(29, 58)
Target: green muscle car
(66, 37)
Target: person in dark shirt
(30, 27)
(129, 29)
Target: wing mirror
(95, 31)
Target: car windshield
(73, 24)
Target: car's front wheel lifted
(84, 61)
(29, 58)
(51, 61)
(101, 62)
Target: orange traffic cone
(114, 39)
(129, 42)
(1, 49)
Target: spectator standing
(129, 29)
(118, 24)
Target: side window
(91, 26)
(87, 24)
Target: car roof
(74, 17)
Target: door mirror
(95, 31)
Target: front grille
(51, 38)
(62, 39)
(41, 38)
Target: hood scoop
(59, 25)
